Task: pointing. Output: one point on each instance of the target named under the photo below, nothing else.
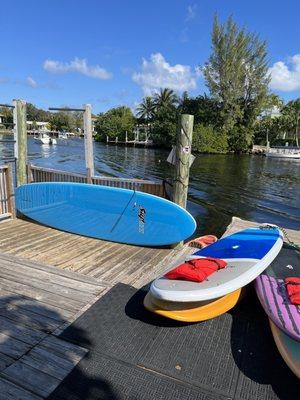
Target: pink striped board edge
(273, 297)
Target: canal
(251, 187)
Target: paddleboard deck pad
(102, 212)
(288, 348)
(271, 291)
(193, 312)
(247, 253)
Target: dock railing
(41, 174)
(7, 201)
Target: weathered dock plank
(32, 379)
(36, 300)
(105, 261)
(10, 391)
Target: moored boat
(44, 138)
(283, 152)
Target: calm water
(251, 187)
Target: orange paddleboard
(193, 312)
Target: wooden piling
(88, 140)
(183, 153)
(29, 174)
(20, 134)
(10, 191)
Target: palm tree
(165, 98)
(146, 109)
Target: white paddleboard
(247, 253)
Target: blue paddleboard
(102, 212)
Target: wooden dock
(36, 301)
(47, 279)
(107, 262)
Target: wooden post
(20, 134)
(29, 173)
(182, 166)
(88, 140)
(126, 137)
(183, 152)
(10, 191)
(89, 176)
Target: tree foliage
(37, 114)
(165, 98)
(206, 110)
(146, 109)
(236, 75)
(114, 123)
(163, 128)
(206, 139)
(291, 116)
(7, 116)
(280, 128)
(61, 120)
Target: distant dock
(129, 143)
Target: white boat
(44, 138)
(65, 135)
(70, 134)
(62, 135)
(283, 152)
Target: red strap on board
(293, 290)
(196, 270)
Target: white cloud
(31, 82)
(158, 73)
(285, 76)
(191, 12)
(77, 65)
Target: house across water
(37, 126)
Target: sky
(111, 53)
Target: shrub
(208, 140)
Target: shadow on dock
(33, 361)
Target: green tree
(291, 114)
(37, 114)
(268, 126)
(146, 109)
(163, 130)
(115, 123)
(208, 140)
(7, 115)
(206, 110)
(165, 98)
(237, 76)
(60, 121)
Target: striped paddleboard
(271, 291)
(247, 253)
